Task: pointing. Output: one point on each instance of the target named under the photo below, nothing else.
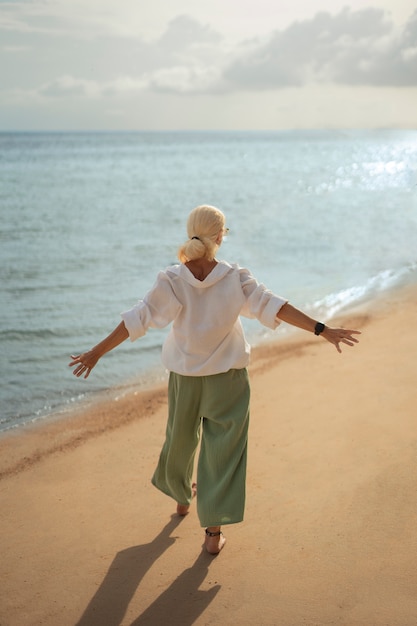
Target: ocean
(327, 219)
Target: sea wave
(25, 334)
(384, 281)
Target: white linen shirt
(206, 336)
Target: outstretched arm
(87, 360)
(295, 317)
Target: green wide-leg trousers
(217, 408)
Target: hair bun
(208, 222)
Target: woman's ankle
(214, 541)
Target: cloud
(38, 16)
(90, 19)
(350, 48)
(65, 86)
(28, 16)
(186, 59)
(177, 79)
(195, 79)
(358, 48)
(192, 57)
(15, 49)
(184, 32)
(69, 86)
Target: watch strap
(319, 327)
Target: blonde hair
(203, 227)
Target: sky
(209, 65)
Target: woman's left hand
(84, 362)
(87, 360)
(336, 336)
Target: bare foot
(184, 509)
(215, 540)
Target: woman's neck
(201, 268)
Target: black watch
(319, 327)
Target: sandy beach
(330, 532)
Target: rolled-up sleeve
(158, 308)
(260, 303)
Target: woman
(206, 354)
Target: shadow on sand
(181, 603)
